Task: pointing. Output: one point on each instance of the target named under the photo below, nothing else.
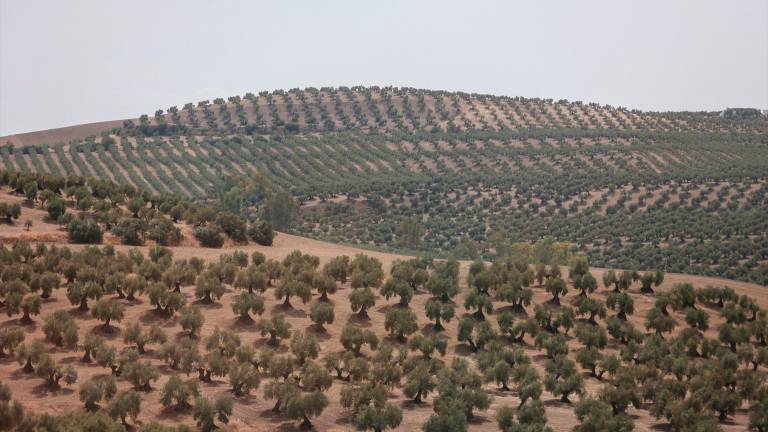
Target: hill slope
(454, 173)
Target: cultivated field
(254, 412)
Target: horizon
(686, 56)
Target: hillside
(460, 174)
(254, 411)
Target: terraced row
(356, 164)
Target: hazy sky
(70, 62)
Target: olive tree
(178, 392)
(400, 323)
(439, 312)
(276, 327)
(108, 310)
(320, 314)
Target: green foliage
(439, 312)
(400, 322)
(594, 415)
(209, 237)
(276, 327)
(84, 230)
(322, 313)
(55, 208)
(53, 372)
(361, 300)
(60, 329)
(262, 233)
(191, 319)
(281, 210)
(246, 303)
(108, 310)
(353, 337)
(131, 231)
(95, 390)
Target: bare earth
(62, 134)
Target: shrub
(83, 230)
(130, 230)
(55, 208)
(209, 237)
(163, 231)
(262, 233)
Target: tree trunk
(28, 366)
(417, 399)
(26, 319)
(306, 424)
(363, 314)
(564, 398)
(84, 304)
(287, 302)
(438, 326)
(86, 357)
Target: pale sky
(71, 62)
